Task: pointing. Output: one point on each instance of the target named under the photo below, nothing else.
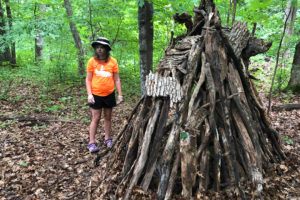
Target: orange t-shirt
(102, 81)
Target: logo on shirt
(102, 72)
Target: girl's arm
(88, 84)
(118, 86)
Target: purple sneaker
(109, 143)
(93, 148)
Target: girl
(101, 80)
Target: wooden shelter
(201, 125)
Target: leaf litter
(49, 159)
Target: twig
(81, 161)
(89, 190)
(277, 60)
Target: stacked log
(200, 127)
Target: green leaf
(294, 3)
(23, 164)
(53, 108)
(184, 135)
(141, 3)
(288, 140)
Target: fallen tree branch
(289, 106)
(33, 119)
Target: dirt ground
(43, 152)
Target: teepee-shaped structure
(201, 125)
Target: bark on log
(144, 149)
(166, 162)
(287, 107)
(157, 141)
(173, 177)
(188, 163)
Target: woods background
(44, 47)
(50, 40)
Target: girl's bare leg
(96, 115)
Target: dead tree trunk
(201, 126)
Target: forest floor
(43, 140)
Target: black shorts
(104, 102)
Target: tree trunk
(292, 9)
(39, 9)
(93, 36)
(5, 54)
(294, 82)
(231, 11)
(145, 20)
(13, 59)
(234, 11)
(290, 17)
(76, 37)
(200, 126)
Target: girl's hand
(120, 99)
(91, 99)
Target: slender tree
(231, 11)
(145, 20)
(277, 62)
(5, 54)
(290, 17)
(234, 11)
(292, 9)
(76, 37)
(91, 21)
(39, 40)
(228, 12)
(13, 59)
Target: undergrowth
(55, 89)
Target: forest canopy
(46, 22)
